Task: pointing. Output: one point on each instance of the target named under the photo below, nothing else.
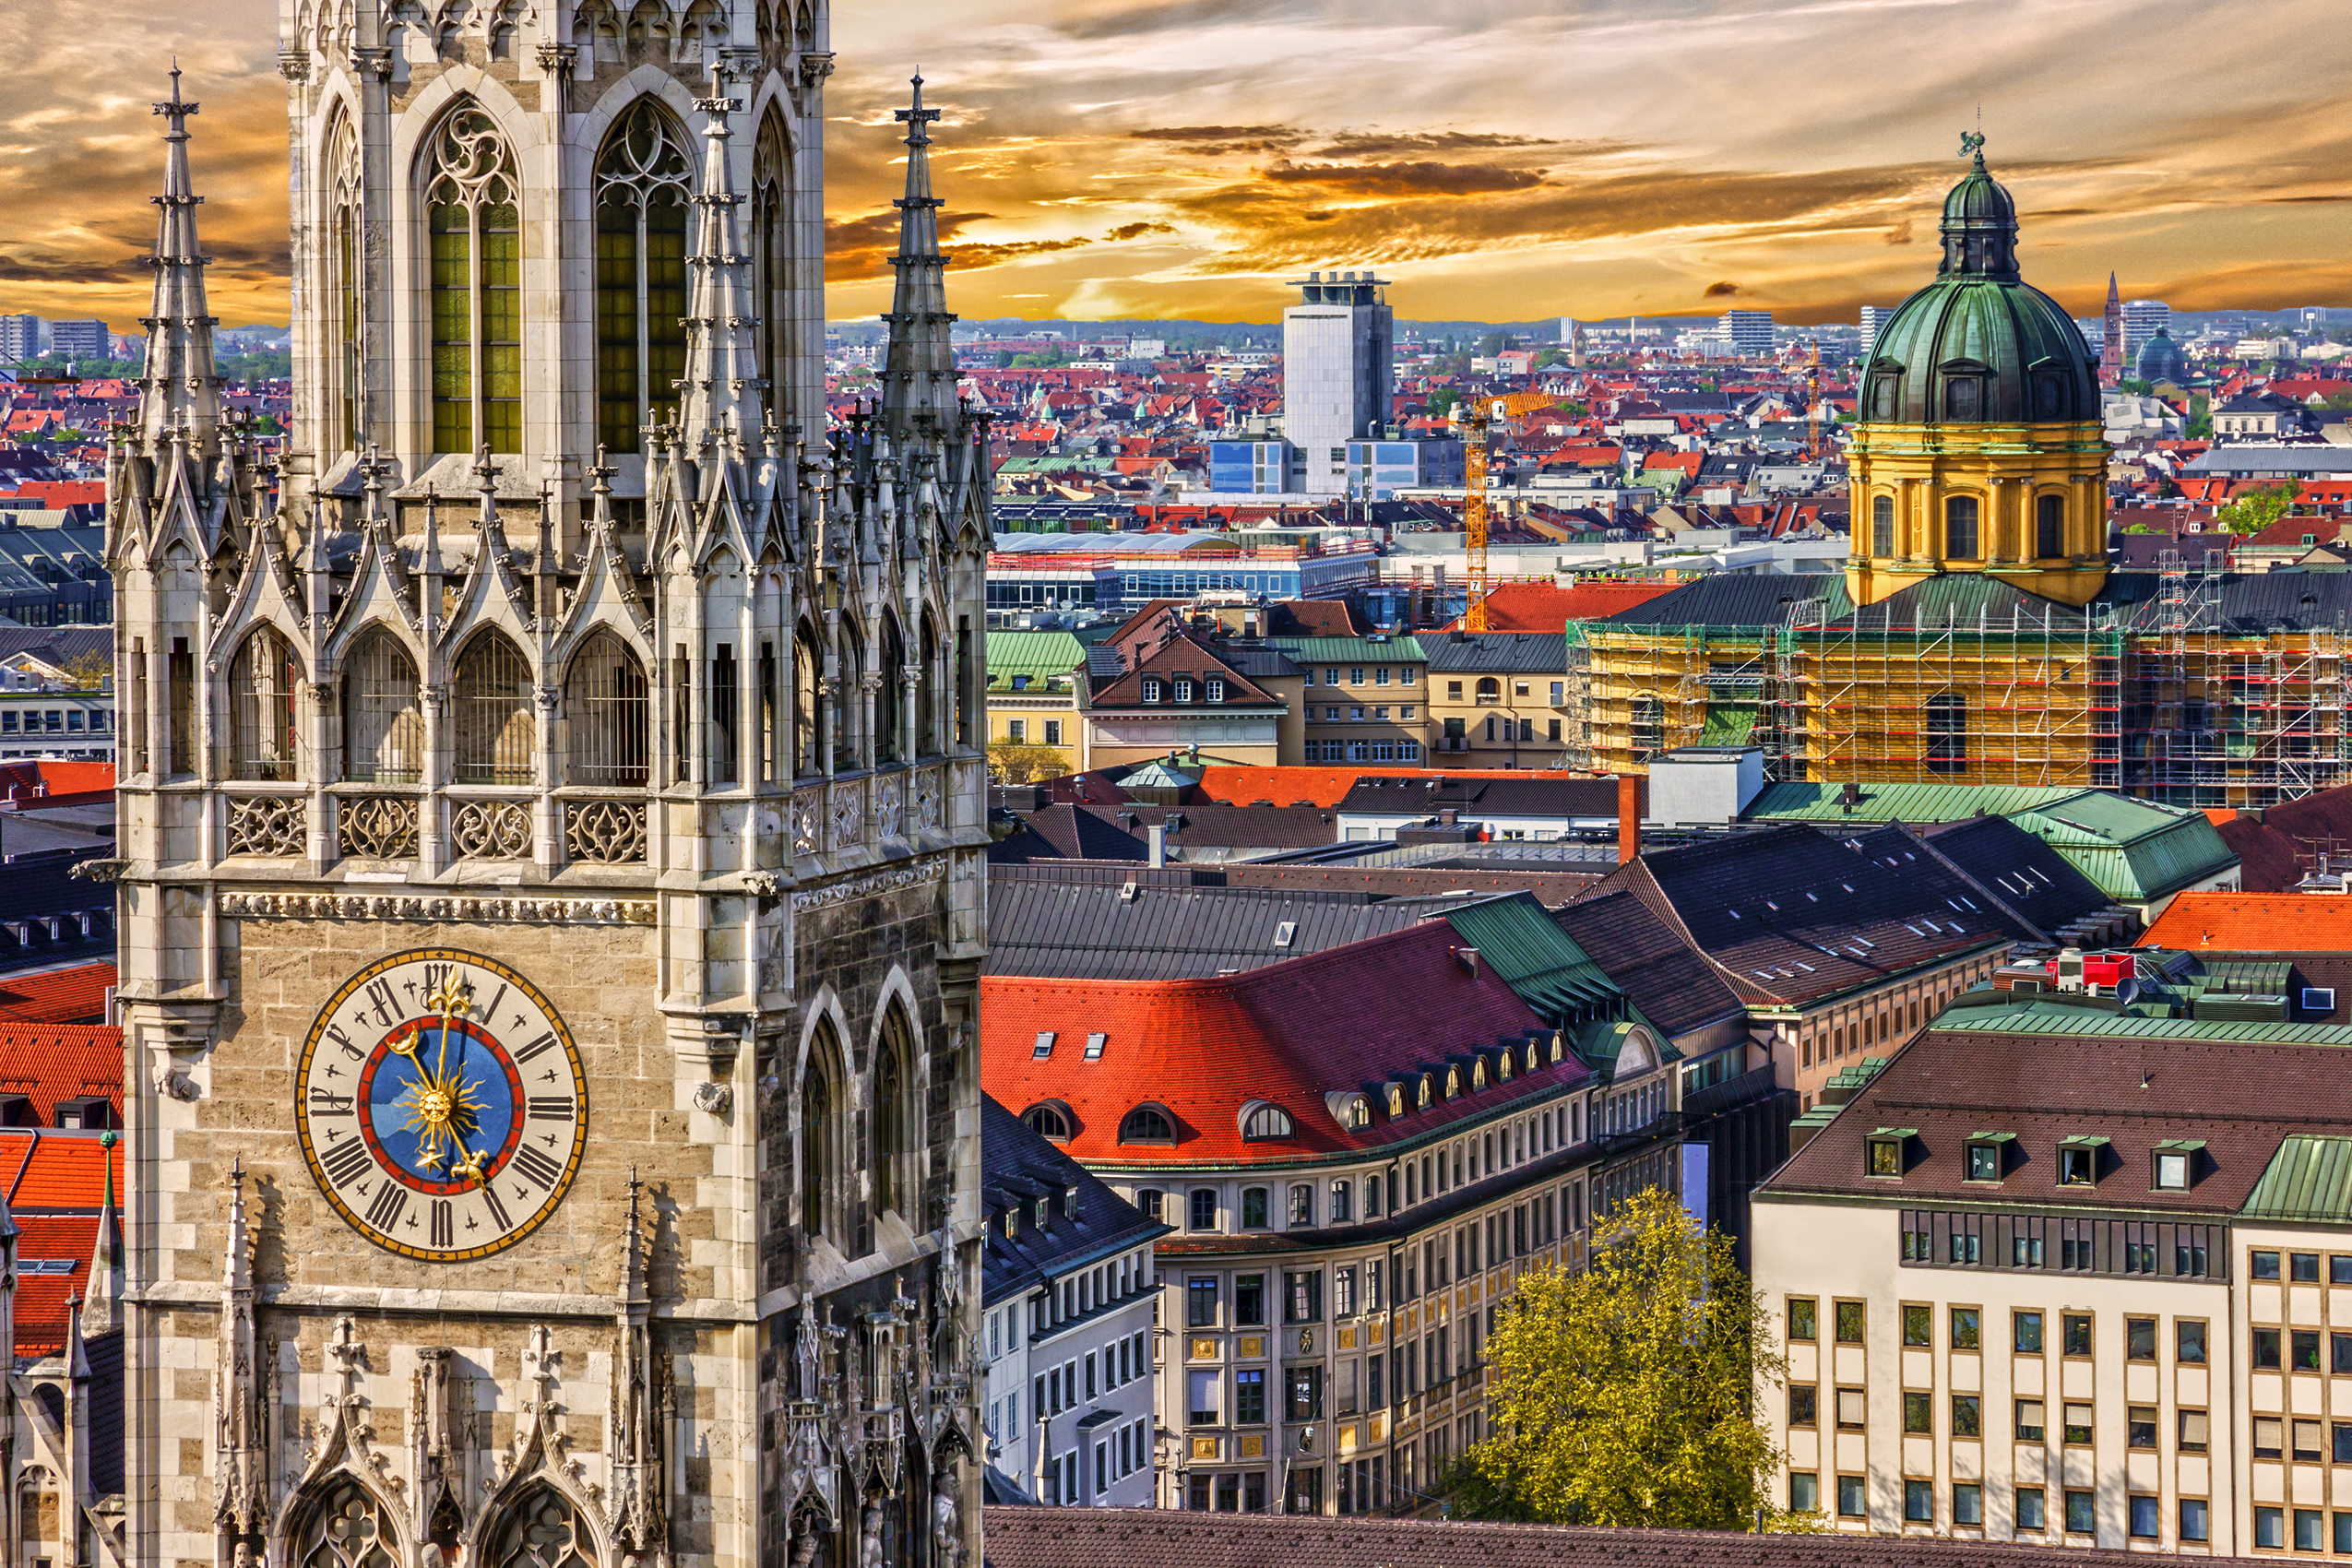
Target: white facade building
(1750, 332)
(1338, 372)
(1873, 317)
(2141, 319)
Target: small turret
(919, 368)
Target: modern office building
(19, 338)
(2141, 319)
(79, 339)
(1337, 370)
(1750, 331)
(1378, 469)
(1873, 317)
(1252, 467)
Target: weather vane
(1971, 141)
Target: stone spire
(181, 390)
(240, 1428)
(2111, 349)
(99, 1313)
(722, 388)
(919, 374)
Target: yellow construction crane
(1471, 415)
(1812, 402)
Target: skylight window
(1285, 933)
(1044, 1046)
(1094, 1046)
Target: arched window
(890, 696)
(349, 258)
(642, 178)
(808, 664)
(1649, 729)
(1489, 689)
(1886, 390)
(820, 1161)
(543, 1531)
(1262, 1121)
(1146, 1124)
(1881, 524)
(850, 714)
(475, 223)
(347, 1529)
(493, 708)
(927, 736)
(1049, 1121)
(1960, 528)
(383, 725)
(771, 180)
(262, 742)
(2049, 526)
(1947, 734)
(606, 717)
(893, 1124)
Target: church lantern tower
(1980, 447)
(554, 817)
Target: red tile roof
(47, 1170)
(49, 1062)
(74, 995)
(2274, 923)
(42, 1295)
(1239, 785)
(1288, 1034)
(1547, 607)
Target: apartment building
(2077, 1271)
(1068, 1302)
(1502, 699)
(1362, 698)
(1359, 1151)
(1036, 682)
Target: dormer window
(1021, 683)
(1070, 1205)
(1260, 1119)
(1453, 1083)
(1050, 1122)
(1152, 689)
(1146, 1124)
(2078, 1160)
(2177, 1161)
(1395, 1102)
(1184, 688)
(1358, 1115)
(1883, 1150)
(1214, 688)
(1012, 1224)
(1044, 1214)
(1989, 1155)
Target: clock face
(441, 1105)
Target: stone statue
(947, 1527)
(804, 1546)
(870, 1538)
(804, 1351)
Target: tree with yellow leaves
(1622, 1395)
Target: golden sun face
(444, 1111)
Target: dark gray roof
(41, 882)
(1536, 795)
(1668, 979)
(1257, 663)
(1017, 1168)
(1059, 927)
(1722, 599)
(2021, 870)
(1481, 652)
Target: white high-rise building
(1337, 370)
(2141, 319)
(79, 339)
(1750, 331)
(19, 338)
(1873, 317)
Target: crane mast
(1474, 428)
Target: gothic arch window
(262, 738)
(606, 717)
(890, 696)
(382, 723)
(1960, 534)
(473, 219)
(820, 1112)
(2049, 526)
(642, 183)
(808, 664)
(771, 180)
(1881, 524)
(648, 32)
(928, 739)
(349, 257)
(347, 1529)
(492, 698)
(894, 1121)
(849, 721)
(1947, 734)
(542, 1530)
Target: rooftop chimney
(1629, 817)
(1157, 833)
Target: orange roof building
(2254, 922)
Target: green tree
(1620, 1396)
(1004, 359)
(2135, 387)
(1016, 762)
(2200, 424)
(1491, 345)
(2256, 509)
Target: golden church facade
(552, 834)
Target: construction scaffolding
(2220, 713)
(1647, 689)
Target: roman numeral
(556, 1107)
(445, 1230)
(346, 1163)
(389, 1201)
(337, 1037)
(491, 1012)
(434, 974)
(543, 1042)
(536, 1167)
(497, 1209)
(324, 1102)
(379, 996)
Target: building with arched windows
(551, 833)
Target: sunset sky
(1498, 159)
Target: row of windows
(1180, 688)
(1965, 1330)
(1489, 689)
(1364, 750)
(1058, 1389)
(2079, 1509)
(1356, 713)
(2193, 1430)
(2129, 1247)
(1018, 732)
(1962, 536)
(1406, 675)
(56, 721)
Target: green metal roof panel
(1534, 957)
(2308, 1179)
(1900, 802)
(2030, 1019)
(2130, 849)
(1043, 656)
(1350, 650)
(1728, 724)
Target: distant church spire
(182, 391)
(2112, 350)
(723, 381)
(919, 374)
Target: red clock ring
(391, 1167)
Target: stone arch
(808, 708)
(890, 696)
(339, 1520)
(822, 1094)
(539, 1525)
(895, 1102)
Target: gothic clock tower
(551, 832)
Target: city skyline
(1182, 158)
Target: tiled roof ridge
(1279, 972)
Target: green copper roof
(2308, 1179)
(1044, 656)
(1534, 958)
(2031, 1016)
(1916, 803)
(1979, 345)
(1349, 650)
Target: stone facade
(574, 663)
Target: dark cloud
(1374, 144)
(1900, 235)
(971, 257)
(1137, 230)
(1721, 291)
(859, 249)
(1422, 178)
(1283, 134)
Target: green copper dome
(1979, 345)
(2161, 359)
